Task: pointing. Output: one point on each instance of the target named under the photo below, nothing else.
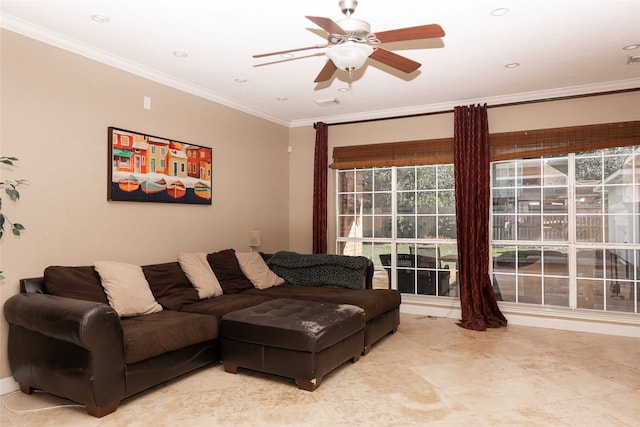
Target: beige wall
(56, 107)
(302, 143)
(581, 111)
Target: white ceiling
(564, 47)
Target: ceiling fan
(351, 43)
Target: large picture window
(566, 226)
(403, 218)
(564, 217)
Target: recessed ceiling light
(240, 80)
(631, 46)
(282, 98)
(101, 19)
(180, 54)
(343, 89)
(500, 11)
(512, 65)
(287, 55)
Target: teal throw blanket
(319, 269)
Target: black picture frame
(147, 168)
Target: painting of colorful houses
(145, 168)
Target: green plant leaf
(13, 194)
(16, 232)
(19, 226)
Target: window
(408, 232)
(565, 228)
(567, 217)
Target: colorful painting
(145, 168)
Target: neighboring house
(157, 155)
(199, 162)
(123, 151)
(177, 164)
(140, 154)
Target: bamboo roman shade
(504, 146)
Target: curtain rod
(507, 104)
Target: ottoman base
(303, 340)
(307, 369)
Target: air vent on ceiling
(634, 59)
(328, 102)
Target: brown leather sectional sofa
(65, 339)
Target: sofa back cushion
(227, 269)
(75, 282)
(170, 285)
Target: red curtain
(320, 172)
(471, 166)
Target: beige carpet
(431, 373)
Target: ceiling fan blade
(394, 60)
(327, 24)
(280, 52)
(326, 73)
(412, 33)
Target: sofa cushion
(198, 270)
(165, 331)
(127, 289)
(374, 301)
(170, 285)
(75, 282)
(257, 271)
(227, 269)
(224, 304)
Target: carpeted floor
(430, 373)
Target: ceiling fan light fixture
(350, 55)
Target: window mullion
(572, 224)
(394, 223)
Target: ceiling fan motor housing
(357, 29)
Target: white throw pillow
(257, 271)
(199, 272)
(127, 288)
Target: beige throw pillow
(257, 271)
(199, 272)
(127, 288)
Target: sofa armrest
(68, 347)
(90, 325)
(368, 278)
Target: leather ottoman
(304, 340)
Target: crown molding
(496, 101)
(55, 39)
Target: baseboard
(626, 326)
(7, 385)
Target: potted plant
(10, 188)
